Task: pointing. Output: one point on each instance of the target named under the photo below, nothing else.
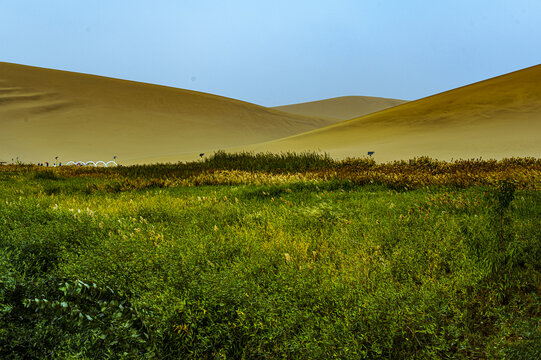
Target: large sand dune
(341, 108)
(46, 113)
(495, 118)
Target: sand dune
(46, 113)
(341, 108)
(495, 118)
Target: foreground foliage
(307, 258)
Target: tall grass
(428, 260)
(245, 168)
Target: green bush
(115, 265)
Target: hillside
(341, 108)
(46, 113)
(495, 118)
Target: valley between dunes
(341, 108)
(46, 113)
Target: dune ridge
(46, 113)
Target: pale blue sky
(281, 51)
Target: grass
(226, 260)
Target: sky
(280, 51)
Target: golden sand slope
(495, 118)
(341, 108)
(46, 113)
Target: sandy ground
(495, 118)
(341, 108)
(46, 113)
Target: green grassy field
(231, 258)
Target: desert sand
(46, 113)
(495, 118)
(341, 108)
